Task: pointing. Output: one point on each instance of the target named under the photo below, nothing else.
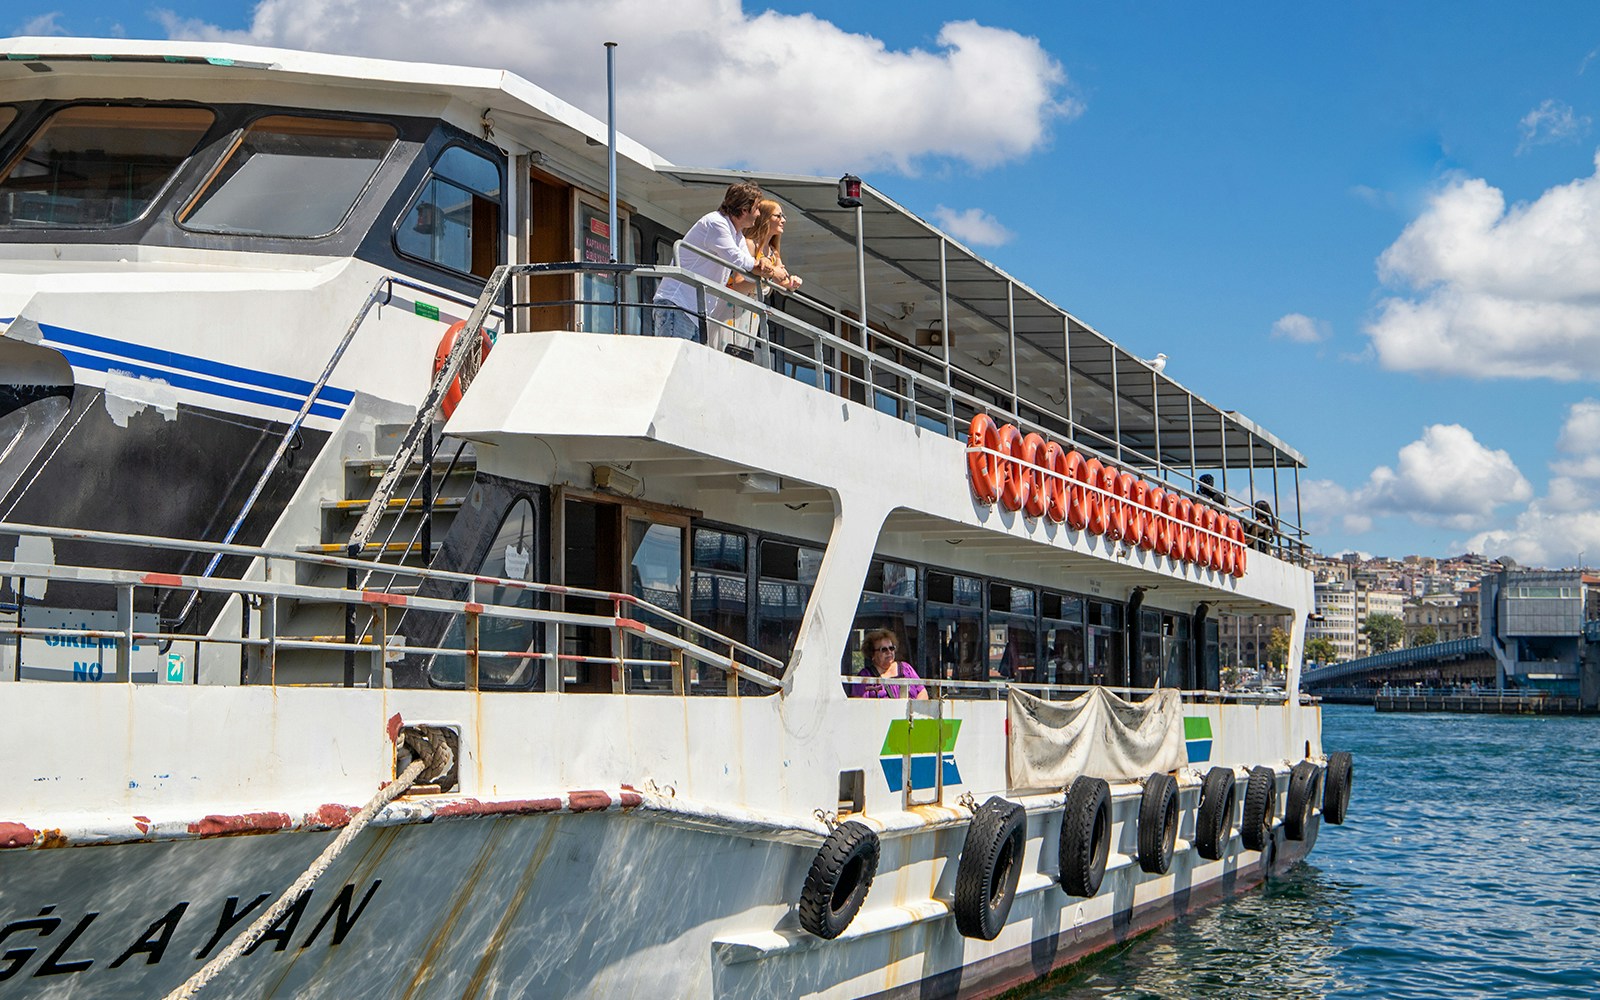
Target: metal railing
(697, 644)
(989, 690)
(928, 398)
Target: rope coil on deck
(432, 759)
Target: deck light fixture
(849, 191)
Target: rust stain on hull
(243, 823)
(15, 835)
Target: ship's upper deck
(935, 311)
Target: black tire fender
(1158, 823)
(1305, 787)
(991, 864)
(839, 879)
(1260, 800)
(1336, 785)
(1085, 836)
(1213, 822)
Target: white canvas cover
(1097, 734)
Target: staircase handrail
(382, 289)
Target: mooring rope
(433, 757)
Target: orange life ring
(1122, 519)
(1108, 493)
(1214, 539)
(1197, 538)
(1155, 530)
(1016, 486)
(1093, 472)
(1230, 528)
(1077, 496)
(1139, 514)
(984, 467)
(1240, 549)
(1167, 540)
(1055, 482)
(1033, 449)
(453, 394)
(1205, 519)
(1184, 540)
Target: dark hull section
(178, 475)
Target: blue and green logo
(1197, 737)
(930, 743)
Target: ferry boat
(338, 467)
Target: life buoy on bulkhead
(457, 389)
(1027, 473)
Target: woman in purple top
(881, 662)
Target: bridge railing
(1393, 658)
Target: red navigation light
(849, 191)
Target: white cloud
(1446, 477)
(1300, 328)
(1557, 527)
(1496, 291)
(974, 226)
(1580, 434)
(1551, 122)
(44, 24)
(706, 83)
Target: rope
(433, 757)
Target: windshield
(98, 166)
(291, 176)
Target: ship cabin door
(617, 546)
(549, 239)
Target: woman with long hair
(764, 238)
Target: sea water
(1468, 866)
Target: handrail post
(679, 684)
(376, 678)
(350, 632)
(733, 676)
(269, 631)
(619, 670)
(125, 626)
(473, 663)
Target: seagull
(1158, 364)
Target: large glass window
(90, 167)
(290, 176)
(788, 574)
(717, 561)
(510, 557)
(1210, 657)
(1013, 634)
(955, 627)
(1106, 664)
(888, 600)
(1062, 620)
(655, 574)
(455, 220)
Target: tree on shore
(1426, 636)
(1278, 647)
(1320, 649)
(1383, 632)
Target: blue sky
(1372, 227)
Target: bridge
(1458, 663)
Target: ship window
(455, 219)
(1062, 618)
(1013, 634)
(888, 600)
(510, 556)
(98, 166)
(955, 626)
(788, 573)
(717, 588)
(290, 176)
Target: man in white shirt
(721, 235)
